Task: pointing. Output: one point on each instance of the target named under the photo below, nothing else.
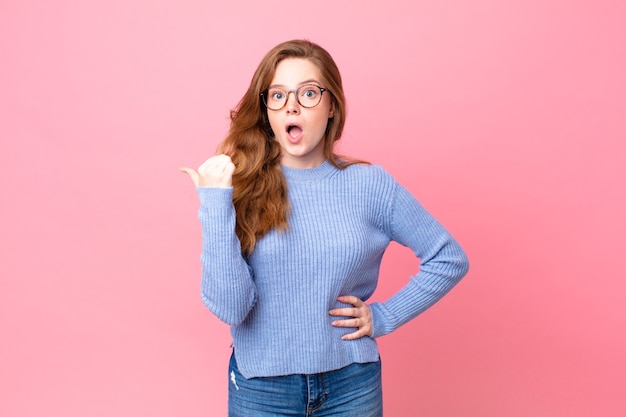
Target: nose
(292, 104)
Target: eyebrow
(309, 81)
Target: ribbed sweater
(277, 300)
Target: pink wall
(506, 118)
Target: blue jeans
(353, 391)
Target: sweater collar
(309, 174)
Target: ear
(331, 112)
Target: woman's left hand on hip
(358, 316)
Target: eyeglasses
(307, 96)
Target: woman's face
(300, 130)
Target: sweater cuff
(378, 321)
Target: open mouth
(294, 131)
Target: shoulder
(368, 174)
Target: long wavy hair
(259, 186)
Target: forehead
(291, 72)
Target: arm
(442, 263)
(227, 289)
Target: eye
(276, 95)
(309, 92)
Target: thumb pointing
(193, 174)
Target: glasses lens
(275, 98)
(309, 95)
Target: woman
(293, 237)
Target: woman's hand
(361, 317)
(217, 171)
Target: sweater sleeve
(227, 288)
(442, 262)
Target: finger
(223, 165)
(217, 171)
(229, 169)
(223, 156)
(216, 162)
(347, 323)
(222, 161)
(186, 170)
(193, 174)
(351, 299)
(346, 312)
(356, 335)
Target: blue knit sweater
(277, 300)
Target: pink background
(507, 119)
